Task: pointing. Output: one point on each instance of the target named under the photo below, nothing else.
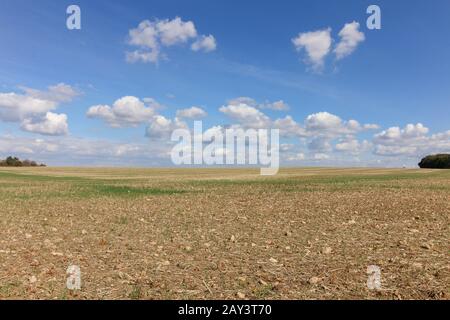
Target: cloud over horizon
(33, 108)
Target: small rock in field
(314, 280)
(273, 260)
(426, 246)
(327, 250)
(233, 238)
(240, 295)
(33, 279)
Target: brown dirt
(224, 234)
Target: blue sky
(392, 77)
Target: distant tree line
(436, 161)
(16, 162)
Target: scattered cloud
(191, 113)
(150, 37)
(204, 43)
(352, 145)
(127, 111)
(52, 124)
(32, 108)
(246, 115)
(289, 127)
(321, 156)
(350, 39)
(296, 157)
(316, 44)
(69, 150)
(413, 141)
(279, 105)
(58, 93)
(161, 127)
(327, 124)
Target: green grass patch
(125, 191)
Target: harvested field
(224, 233)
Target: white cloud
(32, 108)
(325, 123)
(352, 145)
(151, 36)
(321, 156)
(57, 93)
(127, 111)
(191, 113)
(289, 127)
(161, 127)
(296, 157)
(68, 150)
(17, 107)
(246, 115)
(320, 144)
(279, 105)
(205, 43)
(317, 45)
(412, 141)
(143, 56)
(51, 124)
(350, 38)
(395, 135)
(371, 126)
(175, 31)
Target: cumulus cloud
(51, 124)
(395, 135)
(316, 44)
(150, 37)
(32, 108)
(413, 140)
(17, 107)
(289, 127)
(321, 156)
(246, 115)
(352, 145)
(324, 129)
(350, 39)
(320, 144)
(296, 157)
(127, 111)
(191, 113)
(58, 93)
(161, 127)
(279, 105)
(204, 43)
(325, 123)
(85, 151)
